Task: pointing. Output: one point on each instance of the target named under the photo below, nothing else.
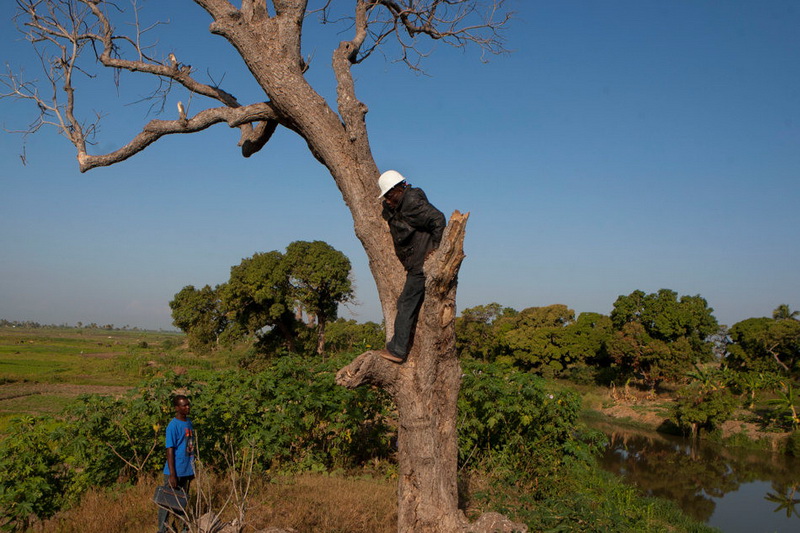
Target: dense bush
(292, 415)
(699, 408)
(35, 478)
(512, 425)
(348, 336)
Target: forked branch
(155, 129)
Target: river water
(735, 490)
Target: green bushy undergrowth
(514, 429)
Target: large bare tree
(267, 36)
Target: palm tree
(782, 312)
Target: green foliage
(783, 312)
(703, 408)
(35, 479)
(350, 336)
(586, 339)
(292, 414)
(659, 337)
(477, 332)
(786, 406)
(526, 438)
(115, 438)
(750, 384)
(319, 277)
(547, 340)
(264, 299)
(765, 345)
(534, 339)
(199, 314)
(511, 425)
(257, 295)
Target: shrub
(698, 408)
(34, 477)
(348, 336)
(294, 413)
(512, 425)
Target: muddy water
(731, 489)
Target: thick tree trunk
(425, 390)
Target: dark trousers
(163, 514)
(408, 305)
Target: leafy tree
(535, 337)
(585, 341)
(319, 277)
(199, 314)
(659, 336)
(476, 331)
(268, 37)
(552, 340)
(257, 297)
(765, 345)
(634, 352)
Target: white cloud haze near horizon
(622, 145)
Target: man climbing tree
(267, 36)
(416, 227)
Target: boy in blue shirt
(180, 443)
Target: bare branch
(455, 22)
(175, 70)
(67, 26)
(261, 135)
(155, 129)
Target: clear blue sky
(623, 145)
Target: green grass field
(42, 369)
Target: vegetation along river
(733, 489)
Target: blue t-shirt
(180, 435)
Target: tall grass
(306, 503)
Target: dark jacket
(416, 227)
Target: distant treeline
(79, 325)
(654, 337)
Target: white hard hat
(389, 179)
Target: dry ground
(307, 503)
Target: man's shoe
(389, 356)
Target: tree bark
(425, 390)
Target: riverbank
(652, 412)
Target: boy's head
(182, 406)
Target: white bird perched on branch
(173, 60)
(181, 112)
